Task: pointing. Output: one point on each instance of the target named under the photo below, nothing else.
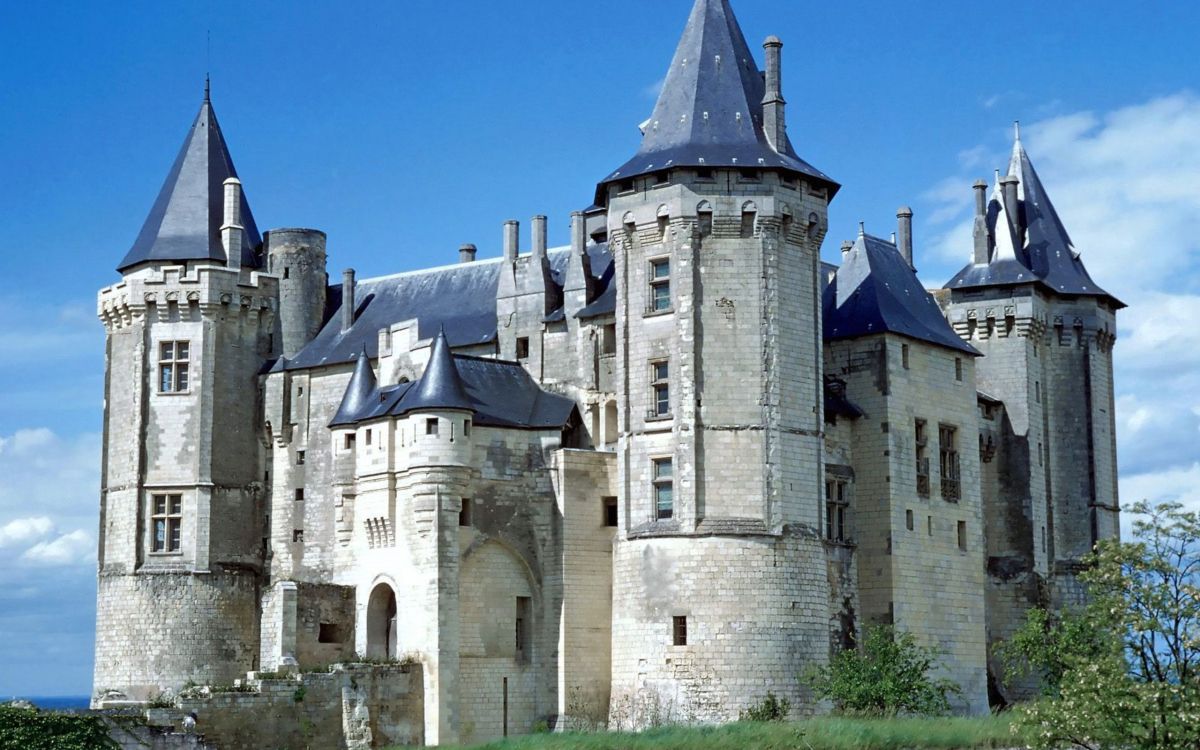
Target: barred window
(166, 523)
(173, 366)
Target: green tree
(887, 675)
(1137, 683)
(1049, 644)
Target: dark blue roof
(440, 386)
(605, 302)
(875, 291)
(710, 111)
(359, 394)
(1047, 256)
(501, 394)
(460, 299)
(185, 221)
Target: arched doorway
(381, 623)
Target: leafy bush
(770, 709)
(1130, 673)
(31, 729)
(888, 675)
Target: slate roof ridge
(184, 223)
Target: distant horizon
(403, 131)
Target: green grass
(814, 734)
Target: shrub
(888, 675)
(31, 729)
(770, 709)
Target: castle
(661, 471)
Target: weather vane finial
(1017, 128)
(207, 87)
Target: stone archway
(381, 623)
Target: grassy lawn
(815, 734)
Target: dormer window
(661, 178)
(705, 174)
(625, 186)
(749, 175)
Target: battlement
(172, 289)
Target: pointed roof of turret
(440, 386)
(185, 221)
(710, 110)
(360, 393)
(1046, 255)
(876, 291)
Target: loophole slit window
(173, 364)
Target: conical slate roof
(360, 393)
(440, 386)
(185, 222)
(876, 291)
(710, 111)
(1046, 255)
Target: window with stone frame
(679, 630)
(663, 482)
(660, 389)
(836, 509)
(522, 629)
(921, 440)
(166, 524)
(660, 285)
(608, 339)
(948, 453)
(610, 511)
(173, 363)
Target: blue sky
(406, 129)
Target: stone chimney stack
(512, 239)
(539, 238)
(231, 226)
(904, 235)
(347, 299)
(1008, 184)
(774, 116)
(982, 247)
(466, 253)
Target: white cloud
(24, 530)
(68, 549)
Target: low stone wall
(355, 707)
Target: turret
(297, 258)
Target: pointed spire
(207, 90)
(185, 221)
(710, 111)
(440, 386)
(1006, 244)
(359, 394)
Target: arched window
(704, 218)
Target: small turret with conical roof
(440, 386)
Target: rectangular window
(835, 510)
(523, 348)
(704, 173)
(521, 629)
(664, 488)
(368, 437)
(660, 285)
(704, 219)
(958, 369)
(608, 339)
(962, 535)
(929, 525)
(1037, 391)
(610, 511)
(679, 630)
(464, 514)
(431, 426)
(908, 520)
(904, 356)
(466, 428)
(922, 453)
(298, 536)
(299, 458)
(948, 451)
(349, 441)
(166, 523)
(299, 494)
(660, 385)
(749, 223)
(173, 366)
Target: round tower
(297, 258)
(180, 551)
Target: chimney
(981, 229)
(578, 233)
(847, 246)
(231, 226)
(347, 299)
(1008, 184)
(539, 237)
(774, 116)
(466, 253)
(904, 235)
(512, 236)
